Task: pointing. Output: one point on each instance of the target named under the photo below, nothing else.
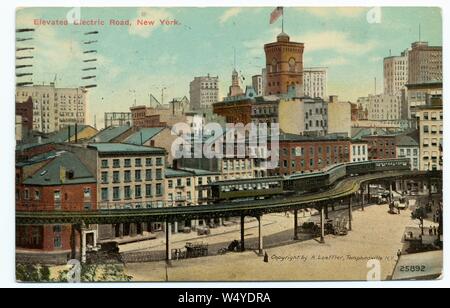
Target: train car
(246, 189)
(392, 164)
(336, 173)
(360, 168)
(306, 182)
(377, 166)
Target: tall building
(416, 95)
(204, 91)
(381, 107)
(54, 108)
(430, 126)
(425, 63)
(284, 65)
(395, 70)
(315, 82)
(257, 83)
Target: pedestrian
(266, 258)
(435, 230)
(434, 217)
(430, 231)
(399, 253)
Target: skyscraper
(204, 92)
(425, 63)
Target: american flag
(276, 14)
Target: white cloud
(335, 62)
(331, 12)
(338, 42)
(230, 13)
(154, 14)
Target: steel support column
(242, 233)
(322, 224)
(362, 199)
(350, 213)
(168, 243)
(295, 224)
(260, 236)
(83, 243)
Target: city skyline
(340, 39)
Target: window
(170, 184)
(148, 190)
(159, 174)
(189, 196)
(188, 182)
(116, 193)
(87, 193)
(37, 195)
(148, 162)
(137, 191)
(159, 161)
(127, 192)
(57, 242)
(138, 162)
(159, 190)
(148, 175)
(104, 177)
(138, 176)
(26, 194)
(179, 182)
(127, 163)
(116, 176)
(104, 163)
(105, 196)
(127, 176)
(116, 163)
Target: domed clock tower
(284, 65)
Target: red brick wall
(72, 197)
(46, 240)
(381, 147)
(235, 112)
(341, 156)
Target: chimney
(333, 99)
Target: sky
(134, 61)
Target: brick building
(236, 110)
(381, 146)
(25, 110)
(300, 154)
(284, 65)
(54, 181)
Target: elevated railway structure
(343, 187)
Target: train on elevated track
(263, 188)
